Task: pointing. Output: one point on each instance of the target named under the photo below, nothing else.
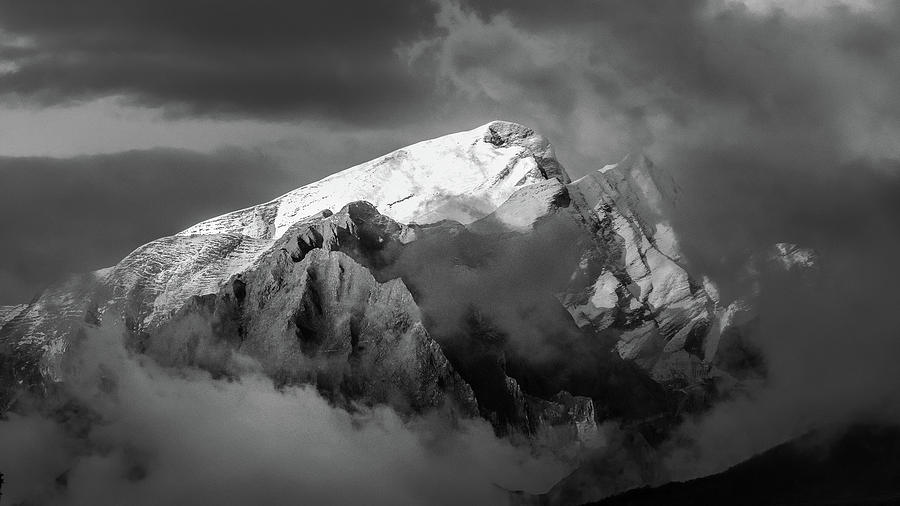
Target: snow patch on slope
(525, 207)
(462, 177)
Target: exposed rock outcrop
(634, 281)
(321, 319)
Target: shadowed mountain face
(860, 466)
(461, 277)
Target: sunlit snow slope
(462, 177)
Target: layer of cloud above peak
(605, 78)
(599, 78)
(239, 58)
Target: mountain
(466, 275)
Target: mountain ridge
(411, 183)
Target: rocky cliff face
(466, 274)
(640, 286)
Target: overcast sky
(125, 120)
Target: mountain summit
(460, 177)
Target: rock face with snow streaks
(634, 281)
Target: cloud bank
(143, 434)
(214, 58)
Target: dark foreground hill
(859, 467)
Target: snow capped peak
(463, 176)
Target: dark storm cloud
(269, 58)
(602, 78)
(78, 214)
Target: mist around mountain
(456, 321)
